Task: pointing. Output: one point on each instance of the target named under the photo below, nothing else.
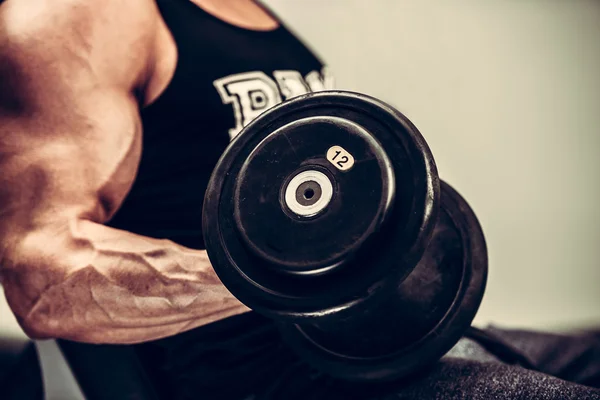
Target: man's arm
(70, 144)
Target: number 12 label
(340, 158)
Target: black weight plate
(428, 314)
(362, 195)
(393, 251)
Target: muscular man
(112, 111)
(112, 116)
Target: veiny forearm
(96, 284)
(70, 146)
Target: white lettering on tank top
(252, 93)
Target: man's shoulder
(68, 33)
(81, 21)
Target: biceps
(77, 160)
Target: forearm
(102, 285)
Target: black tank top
(225, 76)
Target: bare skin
(245, 13)
(70, 145)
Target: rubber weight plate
(304, 212)
(421, 321)
(318, 204)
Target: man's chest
(212, 75)
(245, 95)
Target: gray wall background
(507, 94)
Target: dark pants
(244, 358)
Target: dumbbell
(327, 214)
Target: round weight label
(340, 158)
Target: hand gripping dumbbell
(326, 214)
